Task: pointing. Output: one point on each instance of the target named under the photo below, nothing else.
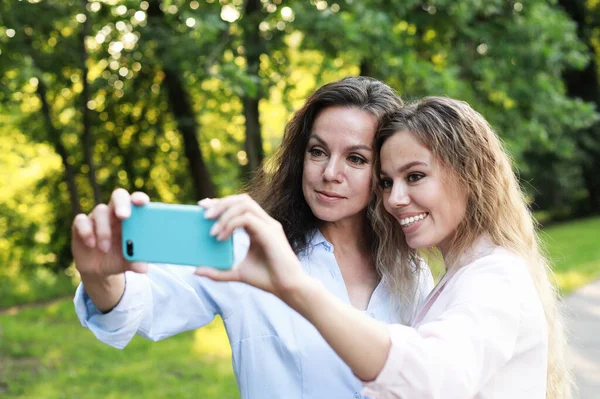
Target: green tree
(584, 84)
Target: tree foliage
(182, 99)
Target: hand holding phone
(96, 237)
(173, 234)
(270, 263)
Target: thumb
(217, 275)
(138, 267)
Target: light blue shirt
(276, 353)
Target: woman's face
(422, 194)
(336, 178)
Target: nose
(333, 170)
(399, 196)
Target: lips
(328, 196)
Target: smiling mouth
(406, 222)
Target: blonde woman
(492, 327)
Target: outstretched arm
(271, 265)
(457, 352)
(363, 343)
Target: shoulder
(499, 274)
(499, 261)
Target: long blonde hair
(462, 140)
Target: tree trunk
(87, 141)
(366, 68)
(254, 47)
(54, 138)
(181, 108)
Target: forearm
(105, 292)
(363, 343)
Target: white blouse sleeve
(164, 302)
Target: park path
(583, 321)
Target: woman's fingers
(139, 198)
(206, 202)
(138, 267)
(218, 275)
(120, 203)
(216, 207)
(258, 230)
(83, 228)
(101, 218)
(242, 216)
(228, 209)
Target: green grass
(574, 250)
(45, 353)
(42, 285)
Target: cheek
(362, 183)
(454, 210)
(460, 209)
(385, 195)
(308, 172)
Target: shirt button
(357, 395)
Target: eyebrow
(404, 168)
(351, 148)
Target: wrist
(99, 278)
(104, 291)
(299, 292)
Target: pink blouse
(481, 334)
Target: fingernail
(90, 242)
(204, 201)
(123, 211)
(214, 229)
(104, 245)
(210, 213)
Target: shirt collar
(317, 238)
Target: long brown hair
(278, 186)
(463, 141)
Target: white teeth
(412, 219)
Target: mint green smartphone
(173, 234)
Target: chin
(326, 215)
(418, 243)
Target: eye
(414, 177)
(356, 160)
(385, 183)
(316, 152)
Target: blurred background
(185, 99)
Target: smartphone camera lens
(129, 247)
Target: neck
(347, 234)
